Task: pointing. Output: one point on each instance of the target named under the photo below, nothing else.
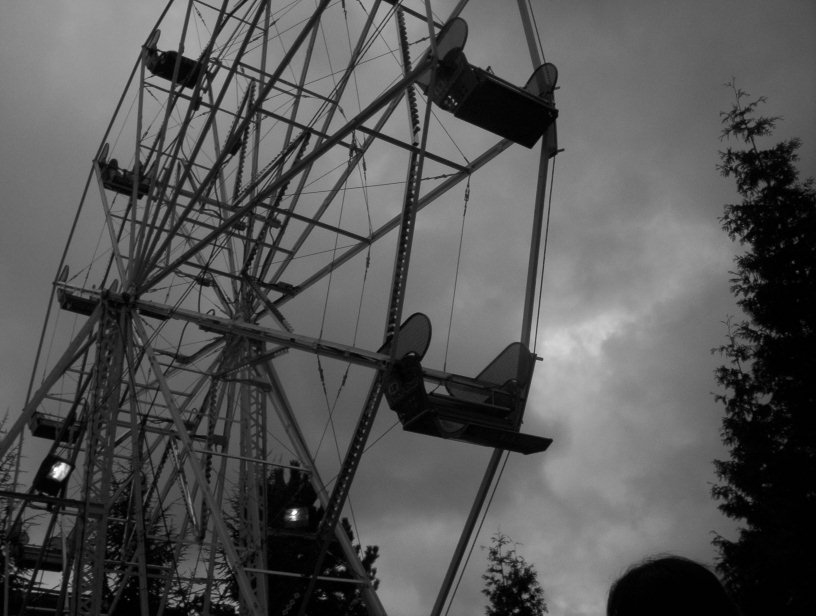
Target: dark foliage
(296, 551)
(511, 585)
(11, 580)
(122, 586)
(768, 484)
(12, 577)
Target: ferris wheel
(239, 321)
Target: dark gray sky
(635, 287)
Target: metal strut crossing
(176, 390)
(400, 277)
(102, 415)
(355, 451)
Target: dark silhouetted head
(669, 586)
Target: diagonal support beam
(305, 162)
(296, 437)
(78, 345)
(215, 507)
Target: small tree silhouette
(511, 585)
(296, 551)
(12, 578)
(125, 600)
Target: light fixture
(52, 475)
(296, 517)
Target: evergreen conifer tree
(295, 551)
(768, 485)
(160, 564)
(12, 578)
(511, 585)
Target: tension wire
(456, 276)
